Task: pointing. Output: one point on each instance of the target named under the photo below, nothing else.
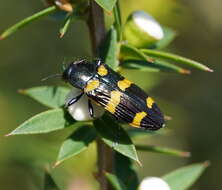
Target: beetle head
(79, 73)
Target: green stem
(26, 21)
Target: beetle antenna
(51, 76)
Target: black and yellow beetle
(119, 96)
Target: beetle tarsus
(74, 100)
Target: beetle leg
(90, 107)
(73, 100)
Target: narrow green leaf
(175, 58)
(109, 49)
(130, 52)
(183, 178)
(51, 96)
(137, 133)
(163, 150)
(116, 183)
(136, 59)
(116, 137)
(125, 171)
(107, 4)
(76, 143)
(49, 183)
(118, 21)
(26, 21)
(169, 36)
(136, 65)
(66, 25)
(45, 122)
(155, 66)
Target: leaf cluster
(112, 133)
(119, 55)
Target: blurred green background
(194, 101)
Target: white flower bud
(153, 183)
(142, 30)
(79, 110)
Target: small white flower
(79, 110)
(147, 23)
(142, 30)
(154, 183)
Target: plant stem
(97, 33)
(104, 162)
(96, 26)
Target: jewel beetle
(122, 98)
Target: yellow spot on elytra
(138, 118)
(149, 102)
(91, 85)
(102, 71)
(124, 84)
(114, 101)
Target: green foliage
(49, 183)
(169, 36)
(76, 143)
(118, 21)
(109, 48)
(153, 60)
(175, 58)
(118, 55)
(44, 122)
(107, 4)
(115, 182)
(183, 178)
(116, 137)
(163, 150)
(125, 172)
(50, 96)
(130, 52)
(155, 66)
(136, 59)
(66, 25)
(137, 133)
(26, 21)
